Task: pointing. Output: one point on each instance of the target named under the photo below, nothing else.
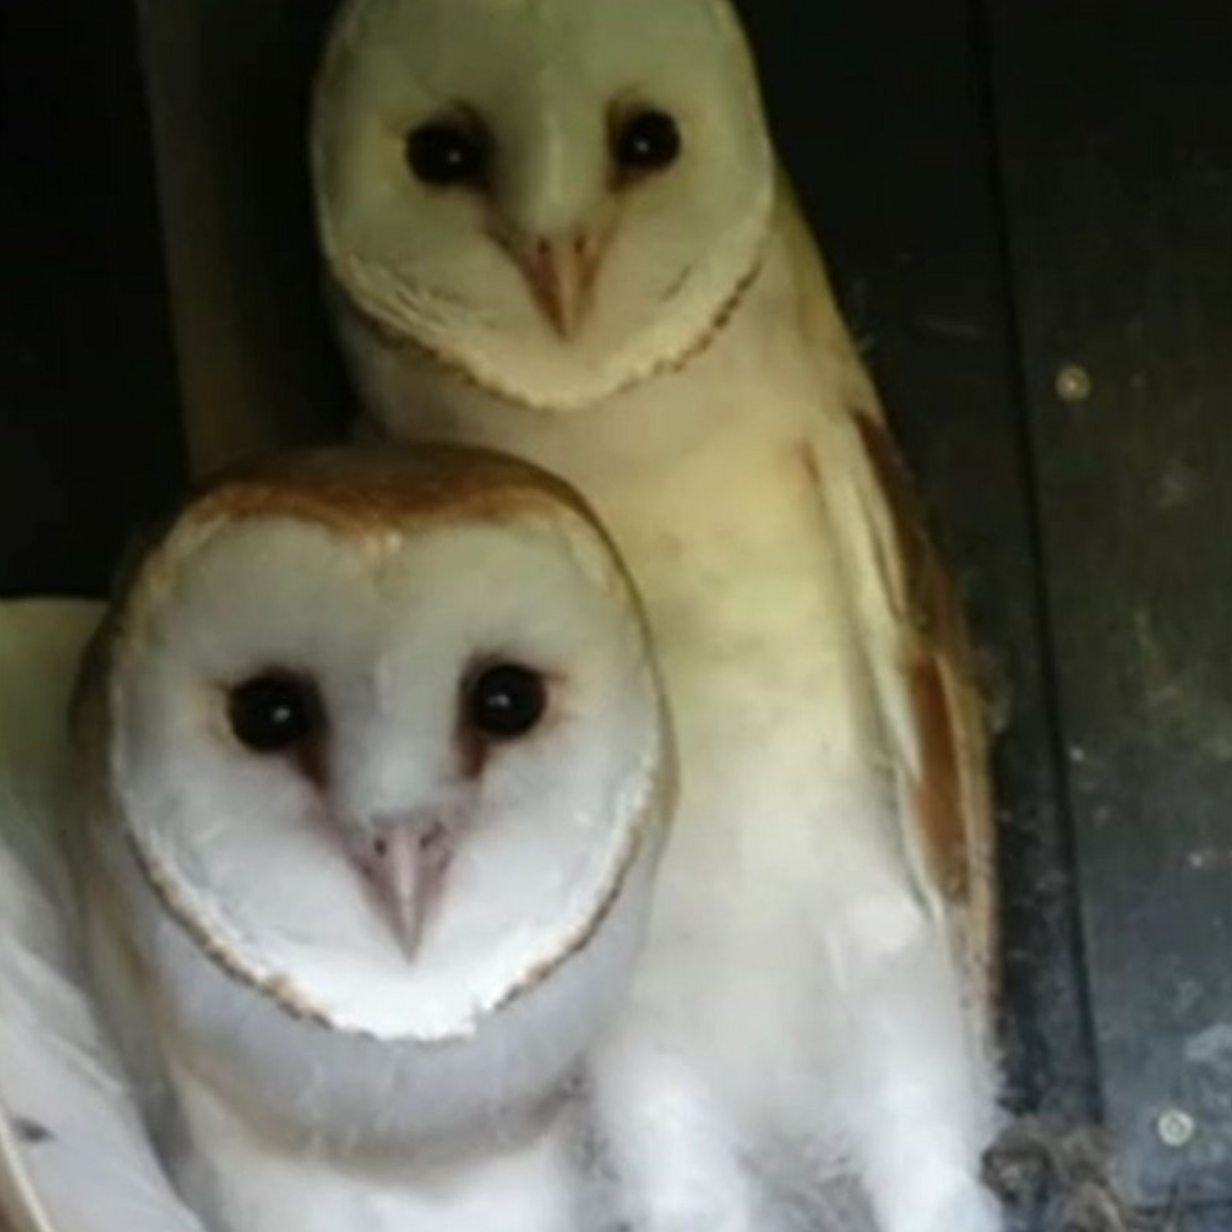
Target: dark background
(1027, 207)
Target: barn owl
(558, 228)
(375, 774)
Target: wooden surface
(229, 89)
(89, 437)
(1116, 123)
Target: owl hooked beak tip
(561, 275)
(405, 864)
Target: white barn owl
(375, 778)
(557, 228)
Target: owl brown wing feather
(911, 623)
(950, 802)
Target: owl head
(380, 774)
(556, 198)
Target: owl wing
(74, 1156)
(914, 635)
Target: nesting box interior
(1025, 204)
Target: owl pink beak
(406, 863)
(561, 275)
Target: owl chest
(784, 802)
(244, 1183)
(738, 568)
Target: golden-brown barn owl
(557, 228)
(375, 775)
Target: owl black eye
(646, 140)
(449, 153)
(506, 701)
(275, 712)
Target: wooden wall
(89, 422)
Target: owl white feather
(556, 227)
(375, 775)
(74, 1156)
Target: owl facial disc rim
(282, 990)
